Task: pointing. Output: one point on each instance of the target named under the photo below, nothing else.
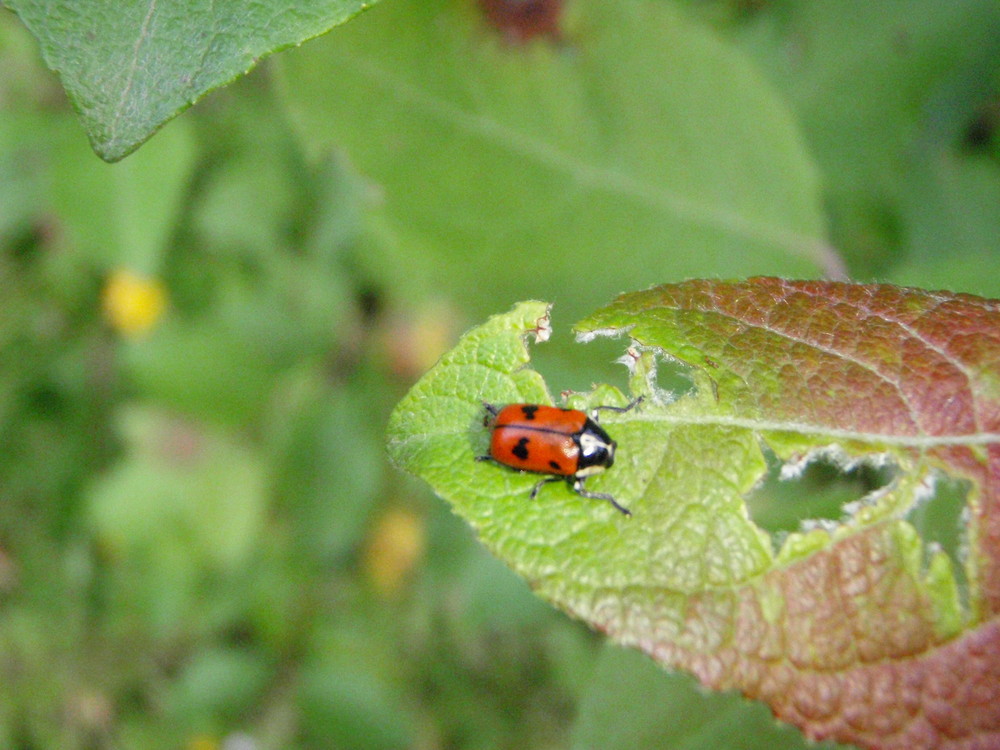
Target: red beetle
(565, 443)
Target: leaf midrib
(794, 243)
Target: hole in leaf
(674, 378)
(565, 365)
(820, 490)
(940, 519)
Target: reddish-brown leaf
(843, 640)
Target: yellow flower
(416, 338)
(394, 548)
(203, 742)
(132, 303)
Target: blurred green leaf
(328, 467)
(261, 289)
(496, 599)
(289, 310)
(245, 205)
(218, 369)
(889, 64)
(632, 703)
(217, 684)
(182, 503)
(641, 148)
(25, 84)
(347, 701)
(884, 95)
(182, 481)
(952, 212)
(20, 184)
(123, 214)
(128, 68)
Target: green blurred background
(202, 544)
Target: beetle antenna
(616, 409)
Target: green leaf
(889, 67)
(640, 139)
(216, 681)
(20, 188)
(130, 67)
(182, 500)
(955, 203)
(884, 95)
(324, 483)
(347, 699)
(846, 629)
(121, 215)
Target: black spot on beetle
(521, 449)
(529, 411)
(555, 465)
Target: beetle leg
(617, 409)
(579, 490)
(488, 458)
(538, 486)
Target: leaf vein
(134, 65)
(591, 175)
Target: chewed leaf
(855, 630)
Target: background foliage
(201, 543)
